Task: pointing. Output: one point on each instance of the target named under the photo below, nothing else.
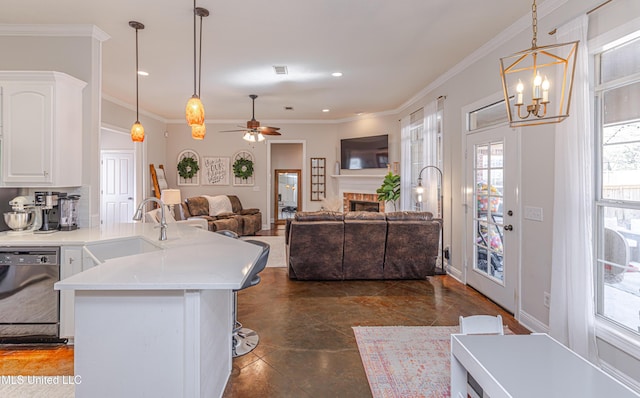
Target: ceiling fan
(254, 132)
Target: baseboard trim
(532, 323)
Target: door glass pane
(489, 184)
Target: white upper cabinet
(41, 129)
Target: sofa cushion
(364, 215)
(219, 204)
(198, 206)
(321, 215)
(409, 216)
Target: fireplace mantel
(358, 183)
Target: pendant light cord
(137, 78)
(200, 59)
(195, 93)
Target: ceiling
(388, 51)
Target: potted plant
(389, 191)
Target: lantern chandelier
(195, 110)
(543, 76)
(137, 130)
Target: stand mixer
(25, 217)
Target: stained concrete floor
(307, 347)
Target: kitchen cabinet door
(42, 129)
(70, 264)
(27, 111)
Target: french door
(492, 233)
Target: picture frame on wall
(215, 170)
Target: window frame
(607, 329)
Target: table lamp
(170, 197)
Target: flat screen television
(364, 152)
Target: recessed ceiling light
(325, 110)
(336, 74)
(143, 73)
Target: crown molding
(54, 30)
(127, 105)
(514, 29)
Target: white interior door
(492, 233)
(117, 186)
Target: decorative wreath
(243, 168)
(188, 167)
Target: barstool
(244, 340)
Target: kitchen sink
(122, 247)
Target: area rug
(276, 250)
(406, 361)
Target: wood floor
(307, 347)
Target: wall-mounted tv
(364, 152)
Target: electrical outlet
(547, 299)
(446, 253)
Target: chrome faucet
(163, 221)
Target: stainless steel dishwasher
(29, 305)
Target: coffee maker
(68, 220)
(47, 202)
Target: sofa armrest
(248, 212)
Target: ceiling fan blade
(270, 133)
(233, 131)
(267, 129)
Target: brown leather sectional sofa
(362, 245)
(241, 221)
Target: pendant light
(137, 131)
(541, 76)
(195, 110)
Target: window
(617, 95)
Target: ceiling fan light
(198, 131)
(194, 111)
(260, 137)
(248, 136)
(137, 132)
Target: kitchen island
(154, 319)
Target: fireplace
(361, 202)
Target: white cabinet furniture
(41, 129)
(70, 264)
(526, 366)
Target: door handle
(508, 227)
(130, 198)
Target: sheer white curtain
(430, 176)
(571, 315)
(406, 194)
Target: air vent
(280, 70)
(288, 108)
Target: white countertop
(191, 258)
